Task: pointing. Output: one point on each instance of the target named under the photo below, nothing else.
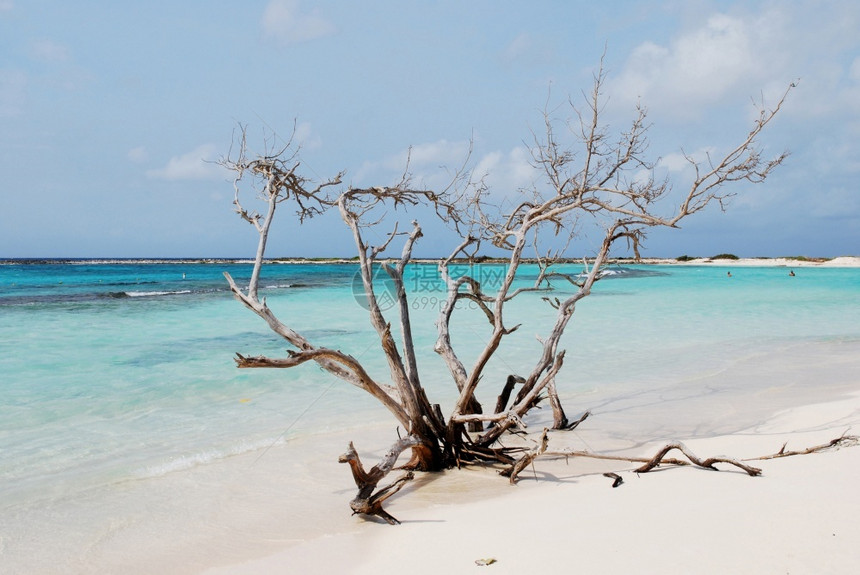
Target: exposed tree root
(369, 503)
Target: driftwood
(841, 441)
(366, 501)
(649, 463)
(616, 479)
(609, 180)
(571, 426)
(660, 458)
(514, 470)
(706, 463)
(505, 396)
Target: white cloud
(699, 67)
(198, 164)
(519, 46)
(284, 22)
(439, 153)
(725, 58)
(424, 159)
(506, 173)
(138, 155)
(431, 165)
(305, 137)
(678, 162)
(529, 51)
(673, 162)
(49, 51)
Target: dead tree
(595, 176)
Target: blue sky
(111, 113)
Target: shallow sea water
(128, 436)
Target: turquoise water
(112, 371)
(118, 372)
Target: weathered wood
(705, 463)
(841, 441)
(660, 457)
(603, 457)
(507, 416)
(514, 470)
(611, 181)
(505, 396)
(366, 501)
(617, 480)
(559, 418)
(575, 424)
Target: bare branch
(366, 501)
(706, 463)
(514, 470)
(601, 180)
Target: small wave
(278, 286)
(623, 273)
(125, 294)
(183, 463)
(155, 293)
(601, 274)
(205, 457)
(115, 261)
(90, 296)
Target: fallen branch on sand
(706, 463)
(841, 441)
(660, 457)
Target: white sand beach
(799, 516)
(838, 262)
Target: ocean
(122, 409)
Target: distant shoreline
(837, 262)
